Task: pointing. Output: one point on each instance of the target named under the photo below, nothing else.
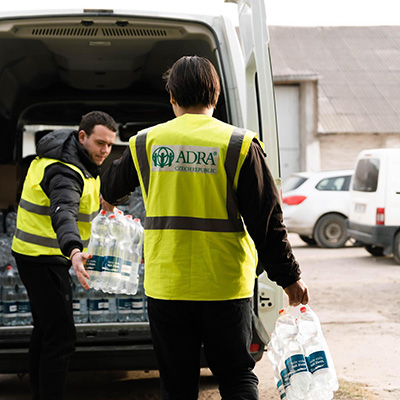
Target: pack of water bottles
(14, 302)
(116, 246)
(96, 306)
(300, 358)
(6, 238)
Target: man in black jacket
(60, 197)
(191, 231)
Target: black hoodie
(64, 188)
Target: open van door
(261, 118)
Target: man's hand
(297, 293)
(78, 260)
(105, 205)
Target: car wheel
(330, 231)
(376, 251)
(308, 240)
(396, 248)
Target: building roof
(358, 71)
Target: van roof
(192, 15)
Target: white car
(315, 206)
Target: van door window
(366, 175)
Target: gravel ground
(356, 297)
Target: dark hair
(90, 120)
(193, 81)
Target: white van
(56, 66)
(374, 216)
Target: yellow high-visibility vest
(34, 234)
(196, 246)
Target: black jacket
(64, 188)
(258, 201)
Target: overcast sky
(279, 12)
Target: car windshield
(366, 175)
(293, 182)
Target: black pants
(179, 328)
(53, 336)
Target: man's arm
(119, 180)
(259, 205)
(64, 188)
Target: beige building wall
(341, 150)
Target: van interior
(55, 69)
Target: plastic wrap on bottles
(318, 356)
(6, 257)
(97, 248)
(79, 300)
(9, 296)
(111, 273)
(11, 223)
(300, 357)
(115, 244)
(136, 204)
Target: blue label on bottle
(112, 264)
(104, 305)
(76, 306)
(125, 305)
(95, 306)
(317, 361)
(10, 307)
(296, 364)
(126, 268)
(95, 263)
(285, 378)
(281, 389)
(24, 307)
(137, 305)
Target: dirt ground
(357, 298)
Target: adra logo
(163, 157)
(197, 159)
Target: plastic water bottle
(111, 274)
(129, 269)
(6, 257)
(296, 364)
(110, 308)
(11, 223)
(96, 305)
(299, 376)
(286, 326)
(24, 316)
(278, 347)
(79, 300)
(137, 245)
(318, 356)
(275, 358)
(138, 298)
(97, 248)
(9, 296)
(1, 303)
(124, 305)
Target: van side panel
(366, 199)
(392, 207)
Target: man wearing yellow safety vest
(211, 206)
(60, 197)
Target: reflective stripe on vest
(233, 224)
(45, 210)
(35, 235)
(41, 240)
